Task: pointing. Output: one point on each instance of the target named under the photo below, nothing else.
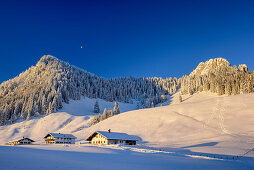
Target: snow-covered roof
(112, 135)
(19, 140)
(61, 135)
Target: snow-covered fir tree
(105, 114)
(116, 109)
(96, 107)
(138, 105)
(98, 118)
(180, 98)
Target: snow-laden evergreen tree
(163, 97)
(116, 109)
(28, 115)
(105, 114)
(180, 98)
(98, 118)
(96, 107)
(94, 120)
(138, 105)
(2, 121)
(110, 113)
(37, 114)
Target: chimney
(109, 130)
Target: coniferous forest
(43, 88)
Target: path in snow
(217, 116)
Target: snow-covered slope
(72, 118)
(203, 122)
(219, 125)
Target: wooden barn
(59, 138)
(23, 141)
(111, 138)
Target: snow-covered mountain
(45, 87)
(214, 65)
(42, 89)
(210, 66)
(218, 76)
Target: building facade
(59, 138)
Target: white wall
(99, 139)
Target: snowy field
(204, 131)
(91, 157)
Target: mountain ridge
(218, 76)
(211, 65)
(43, 88)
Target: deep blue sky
(123, 38)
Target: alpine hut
(59, 138)
(109, 138)
(23, 141)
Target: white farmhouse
(59, 138)
(23, 141)
(109, 138)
